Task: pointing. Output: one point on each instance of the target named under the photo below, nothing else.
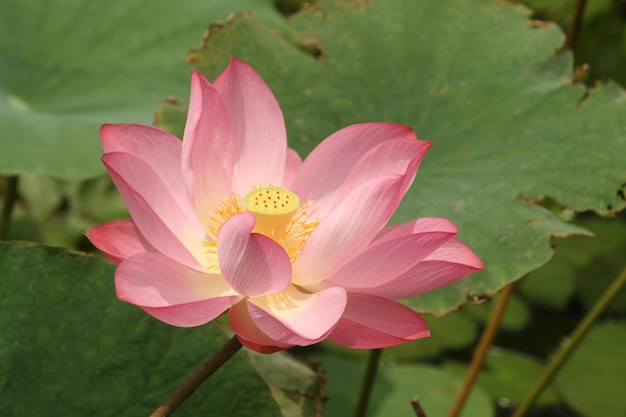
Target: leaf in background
(601, 41)
(515, 318)
(477, 79)
(296, 387)
(62, 210)
(396, 385)
(592, 381)
(69, 66)
(507, 376)
(583, 266)
(70, 348)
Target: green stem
(368, 382)
(205, 371)
(486, 339)
(7, 206)
(570, 343)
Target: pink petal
(297, 317)
(151, 144)
(258, 126)
(348, 229)
(158, 149)
(118, 240)
(330, 163)
(398, 156)
(154, 280)
(382, 262)
(167, 223)
(191, 314)
(449, 263)
(253, 264)
(207, 154)
(249, 334)
(372, 322)
(291, 168)
(421, 225)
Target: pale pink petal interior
(296, 317)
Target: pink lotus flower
(232, 219)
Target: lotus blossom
(231, 219)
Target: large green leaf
(507, 376)
(583, 266)
(592, 380)
(396, 384)
(68, 347)
(479, 80)
(298, 389)
(67, 66)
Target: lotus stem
(486, 340)
(10, 197)
(202, 374)
(574, 29)
(368, 382)
(570, 343)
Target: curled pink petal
(382, 262)
(207, 153)
(348, 229)
(119, 240)
(191, 314)
(153, 280)
(253, 264)
(328, 166)
(258, 127)
(373, 322)
(449, 263)
(297, 317)
(249, 333)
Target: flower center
(279, 216)
(273, 207)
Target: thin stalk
(10, 197)
(574, 29)
(368, 382)
(417, 407)
(486, 339)
(202, 374)
(571, 343)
